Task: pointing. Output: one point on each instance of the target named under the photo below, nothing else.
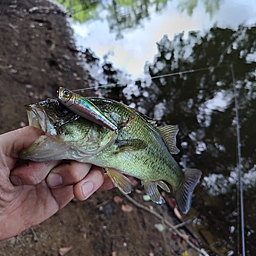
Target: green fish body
(140, 149)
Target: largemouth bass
(140, 149)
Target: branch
(167, 223)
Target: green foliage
(124, 15)
(82, 10)
(211, 6)
(121, 14)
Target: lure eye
(66, 93)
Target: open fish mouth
(36, 116)
(48, 115)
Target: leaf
(160, 227)
(118, 199)
(177, 213)
(171, 202)
(126, 208)
(185, 253)
(64, 250)
(146, 198)
(138, 191)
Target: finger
(62, 195)
(31, 173)
(67, 173)
(91, 183)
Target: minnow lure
(84, 107)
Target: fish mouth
(36, 116)
(48, 115)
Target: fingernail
(87, 189)
(15, 180)
(54, 180)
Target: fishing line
(160, 76)
(239, 164)
(92, 88)
(186, 71)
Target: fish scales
(156, 160)
(155, 156)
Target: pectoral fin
(169, 133)
(119, 180)
(153, 192)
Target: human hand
(31, 192)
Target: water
(138, 42)
(188, 82)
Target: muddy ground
(37, 55)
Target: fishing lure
(84, 107)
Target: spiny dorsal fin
(169, 133)
(152, 122)
(184, 193)
(149, 120)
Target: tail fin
(184, 192)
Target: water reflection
(211, 134)
(201, 102)
(189, 83)
(121, 15)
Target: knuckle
(79, 170)
(33, 179)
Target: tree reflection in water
(199, 97)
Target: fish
(140, 149)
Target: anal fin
(153, 192)
(163, 186)
(119, 180)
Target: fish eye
(66, 92)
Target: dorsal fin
(152, 122)
(169, 133)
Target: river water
(174, 61)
